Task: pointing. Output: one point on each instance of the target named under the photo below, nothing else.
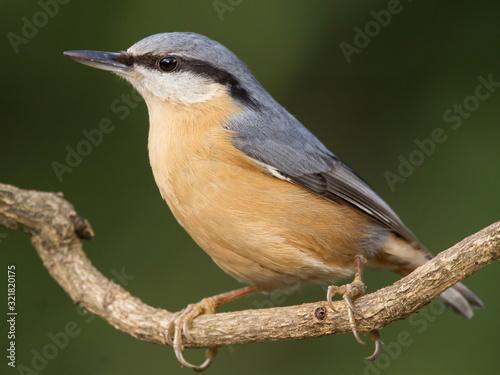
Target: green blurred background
(368, 112)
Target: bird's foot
(181, 324)
(349, 292)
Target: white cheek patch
(181, 87)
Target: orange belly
(256, 227)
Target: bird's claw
(375, 337)
(180, 325)
(349, 292)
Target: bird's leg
(349, 292)
(181, 323)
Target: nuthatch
(252, 186)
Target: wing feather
(277, 140)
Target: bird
(252, 186)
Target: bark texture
(56, 230)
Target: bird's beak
(114, 62)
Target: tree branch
(56, 229)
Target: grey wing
(285, 147)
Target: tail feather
(461, 300)
(408, 257)
(469, 296)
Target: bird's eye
(167, 64)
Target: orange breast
(256, 227)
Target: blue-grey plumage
(265, 132)
(268, 133)
(253, 187)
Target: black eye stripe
(147, 60)
(125, 59)
(199, 67)
(221, 76)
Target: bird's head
(182, 69)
